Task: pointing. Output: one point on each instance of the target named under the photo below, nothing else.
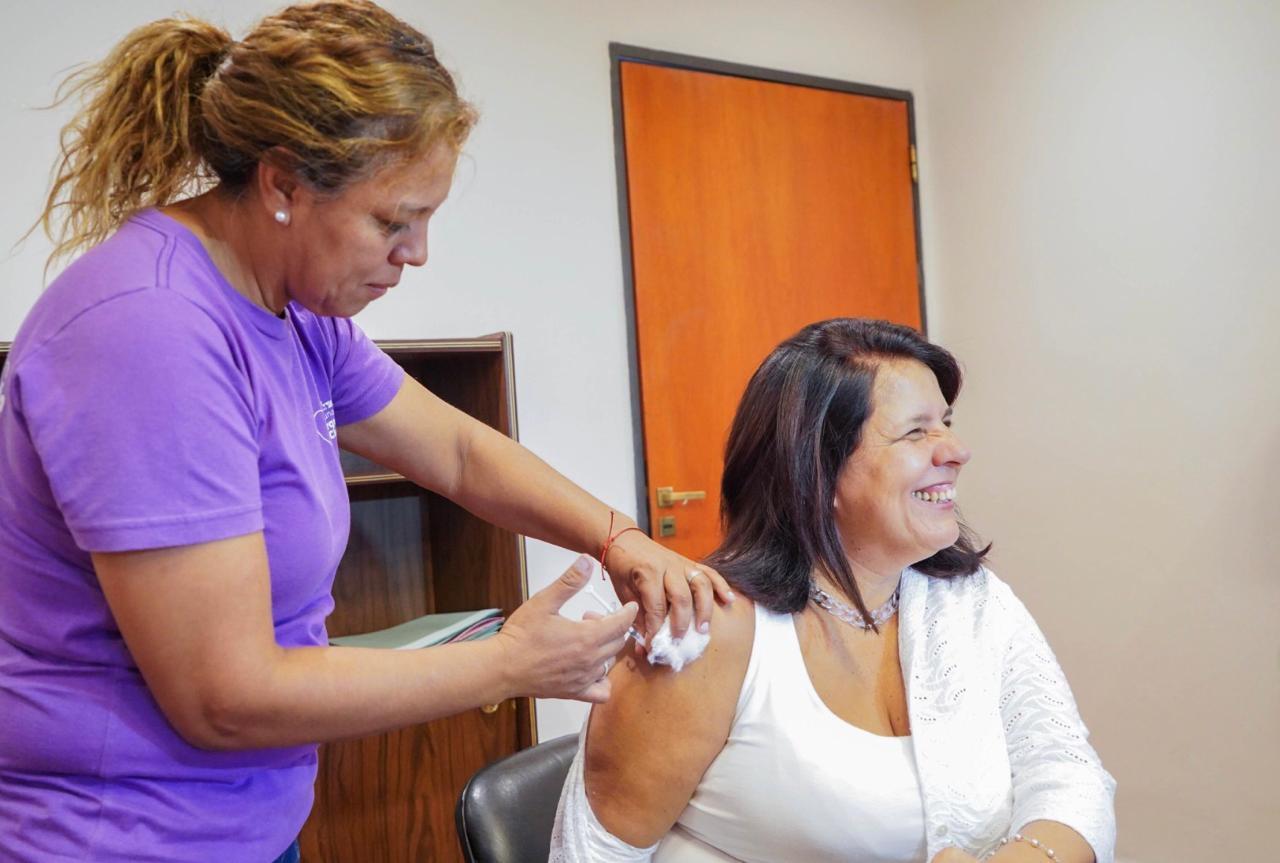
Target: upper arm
(197, 621)
(650, 743)
(145, 425)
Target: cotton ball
(676, 652)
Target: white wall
(1104, 259)
(1098, 190)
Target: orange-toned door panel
(755, 208)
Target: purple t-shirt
(148, 404)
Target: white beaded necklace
(848, 613)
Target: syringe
(610, 609)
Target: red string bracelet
(612, 536)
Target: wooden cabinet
(390, 798)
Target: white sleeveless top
(997, 743)
(796, 782)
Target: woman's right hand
(547, 655)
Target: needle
(610, 609)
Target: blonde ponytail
(334, 89)
(138, 140)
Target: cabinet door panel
(391, 797)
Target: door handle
(668, 496)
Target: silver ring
(692, 574)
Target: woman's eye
(392, 227)
(915, 434)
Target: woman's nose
(951, 450)
(413, 251)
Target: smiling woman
(172, 506)
(894, 495)
(883, 696)
(858, 414)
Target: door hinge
(915, 166)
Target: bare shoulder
(717, 673)
(650, 743)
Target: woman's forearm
(267, 696)
(492, 476)
(321, 694)
(198, 623)
(440, 448)
(504, 483)
(1068, 845)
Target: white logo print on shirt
(326, 425)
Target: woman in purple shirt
(172, 509)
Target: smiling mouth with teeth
(945, 496)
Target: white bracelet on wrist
(1034, 843)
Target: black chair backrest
(507, 810)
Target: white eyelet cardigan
(998, 740)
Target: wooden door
(754, 207)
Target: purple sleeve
(145, 426)
(365, 379)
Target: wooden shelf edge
(373, 479)
(480, 344)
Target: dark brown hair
(799, 420)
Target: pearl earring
(282, 217)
